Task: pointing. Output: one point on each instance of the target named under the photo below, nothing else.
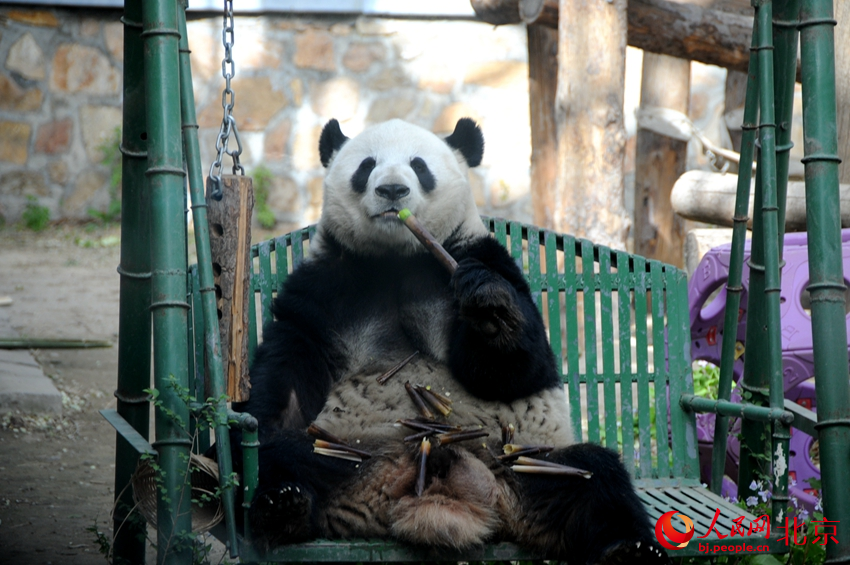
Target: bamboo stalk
(424, 451)
(428, 240)
(523, 460)
(433, 400)
(560, 470)
(320, 433)
(520, 453)
(418, 401)
(511, 448)
(338, 454)
(508, 434)
(341, 447)
(423, 426)
(389, 374)
(444, 399)
(418, 436)
(454, 437)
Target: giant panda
(368, 297)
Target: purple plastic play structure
(707, 316)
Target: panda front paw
(487, 301)
(282, 515)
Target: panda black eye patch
(361, 175)
(423, 173)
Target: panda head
(395, 165)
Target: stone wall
(60, 100)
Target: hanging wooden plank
(230, 247)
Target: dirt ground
(56, 474)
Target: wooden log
(542, 86)
(659, 233)
(710, 197)
(230, 246)
(591, 134)
(717, 35)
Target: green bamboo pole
(734, 287)
(168, 266)
(772, 286)
(826, 279)
(754, 382)
(212, 338)
(250, 466)
(763, 365)
(737, 409)
(785, 69)
(134, 322)
(785, 40)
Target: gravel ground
(56, 473)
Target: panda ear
(330, 141)
(468, 139)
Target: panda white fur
(368, 297)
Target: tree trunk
(542, 86)
(658, 232)
(589, 120)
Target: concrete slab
(23, 385)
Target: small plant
(35, 216)
(706, 379)
(102, 540)
(262, 183)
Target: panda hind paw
(282, 515)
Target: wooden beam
(687, 31)
(709, 197)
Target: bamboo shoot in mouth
(428, 240)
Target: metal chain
(228, 100)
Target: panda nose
(392, 191)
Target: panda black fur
(369, 296)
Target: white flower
(764, 494)
(804, 514)
(752, 501)
(754, 485)
(819, 505)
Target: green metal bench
(619, 328)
